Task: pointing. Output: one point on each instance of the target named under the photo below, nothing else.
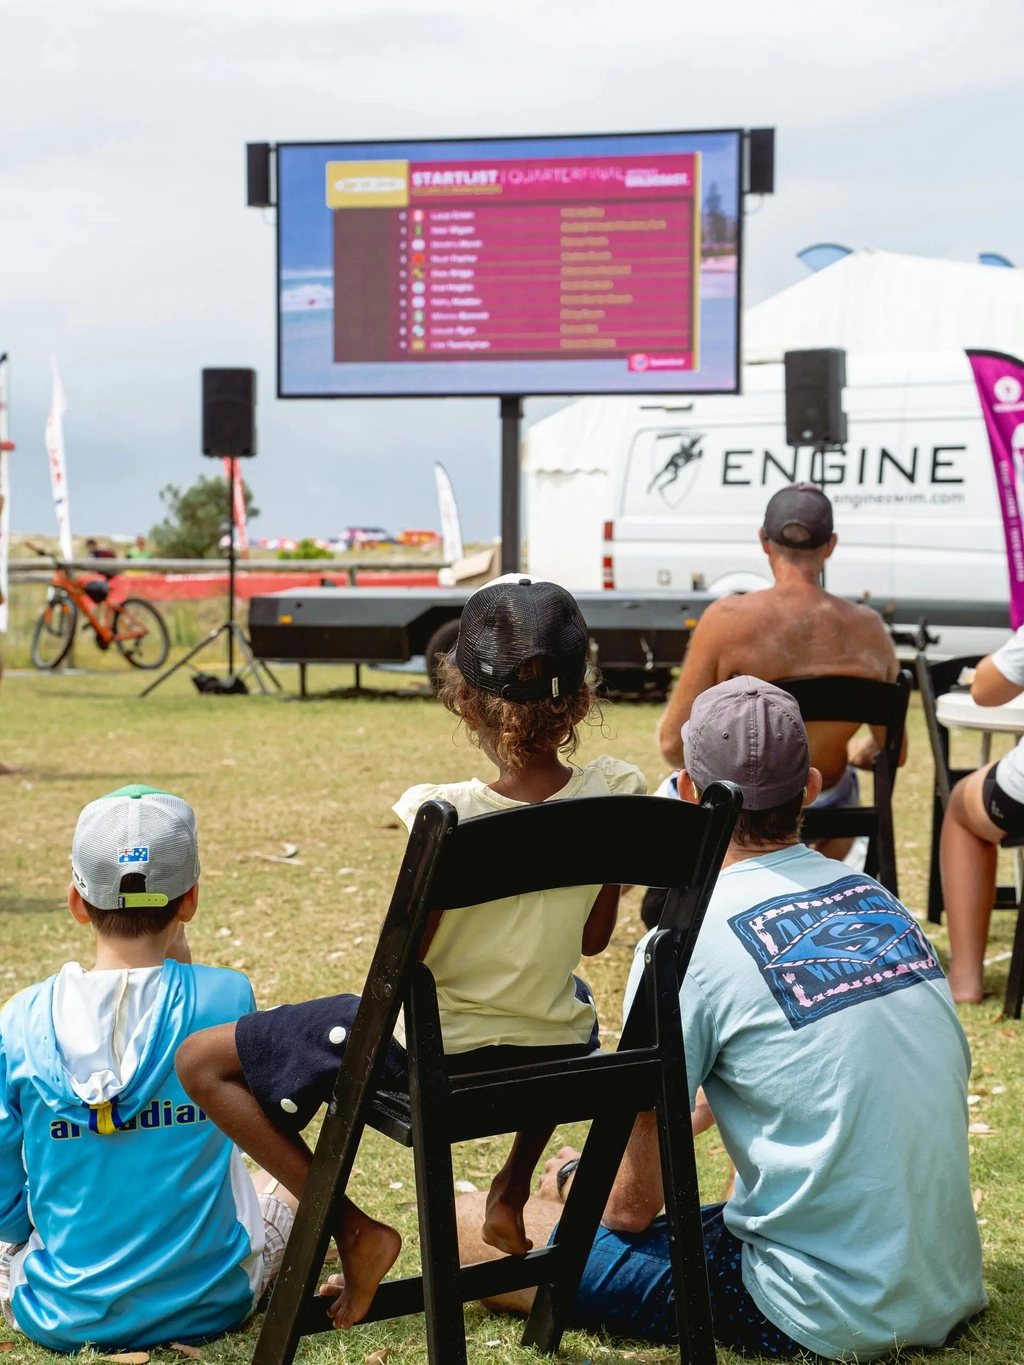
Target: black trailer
(637, 639)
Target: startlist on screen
(588, 268)
(527, 259)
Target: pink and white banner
(1000, 382)
(58, 468)
(238, 494)
(5, 491)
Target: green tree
(307, 548)
(196, 519)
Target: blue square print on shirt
(835, 946)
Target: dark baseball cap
(513, 621)
(802, 507)
(748, 732)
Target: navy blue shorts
(627, 1291)
(290, 1055)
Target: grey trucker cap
(748, 732)
(135, 829)
(799, 517)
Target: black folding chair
(867, 702)
(934, 680)
(612, 840)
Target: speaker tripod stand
(233, 682)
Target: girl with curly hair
(518, 681)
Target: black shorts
(1002, 810)
(290, 1055)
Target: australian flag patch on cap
(133, 856)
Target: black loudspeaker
(257, 165)
(229, 412)
(814, 398)
(761, 161)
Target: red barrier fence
(177, 580)
(191, 587)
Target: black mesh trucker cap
(506, 624)
(803, 507)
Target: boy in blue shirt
(127, 1217)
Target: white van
(669, 493)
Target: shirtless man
(792, 630)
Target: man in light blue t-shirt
(818, 1022)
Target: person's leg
(540, 1217)
(503, 1225)
(277, 1206)
(267, 1185)
(845, 792)
(8, 1251)
(209, 1068)
(968, 847)
(739, 1323)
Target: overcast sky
(127, 250)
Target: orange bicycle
(134, 626)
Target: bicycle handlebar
(44, 554)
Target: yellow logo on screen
(367, 184)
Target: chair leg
(935, 904)
(679, 1178)
(577, 1228)
(288, 1314)
(871, 857)
(1015, 980)
(435, 1190)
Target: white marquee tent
(874, 302)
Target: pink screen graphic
(598, 257)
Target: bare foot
(503, 1226)
(368, 1250)
(967, 992)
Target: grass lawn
(322, 775)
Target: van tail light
(609, 530)
(607, 573)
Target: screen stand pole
(233, 466)
(511, 535)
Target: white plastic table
(957, 710)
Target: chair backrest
(945, 673)
(933, 680)
(618, 840)
(614, 839)
(866, 701)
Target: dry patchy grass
(323, 775)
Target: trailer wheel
(624, 683)
(441, 643)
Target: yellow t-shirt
(504, 969)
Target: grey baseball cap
(135, 829)
(799, 517)
(748, 732)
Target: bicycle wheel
(140, 633)
(54, 632)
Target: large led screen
(562, 265)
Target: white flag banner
(451, 527)
(238, 499)
(5, 490)
(58, 468)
